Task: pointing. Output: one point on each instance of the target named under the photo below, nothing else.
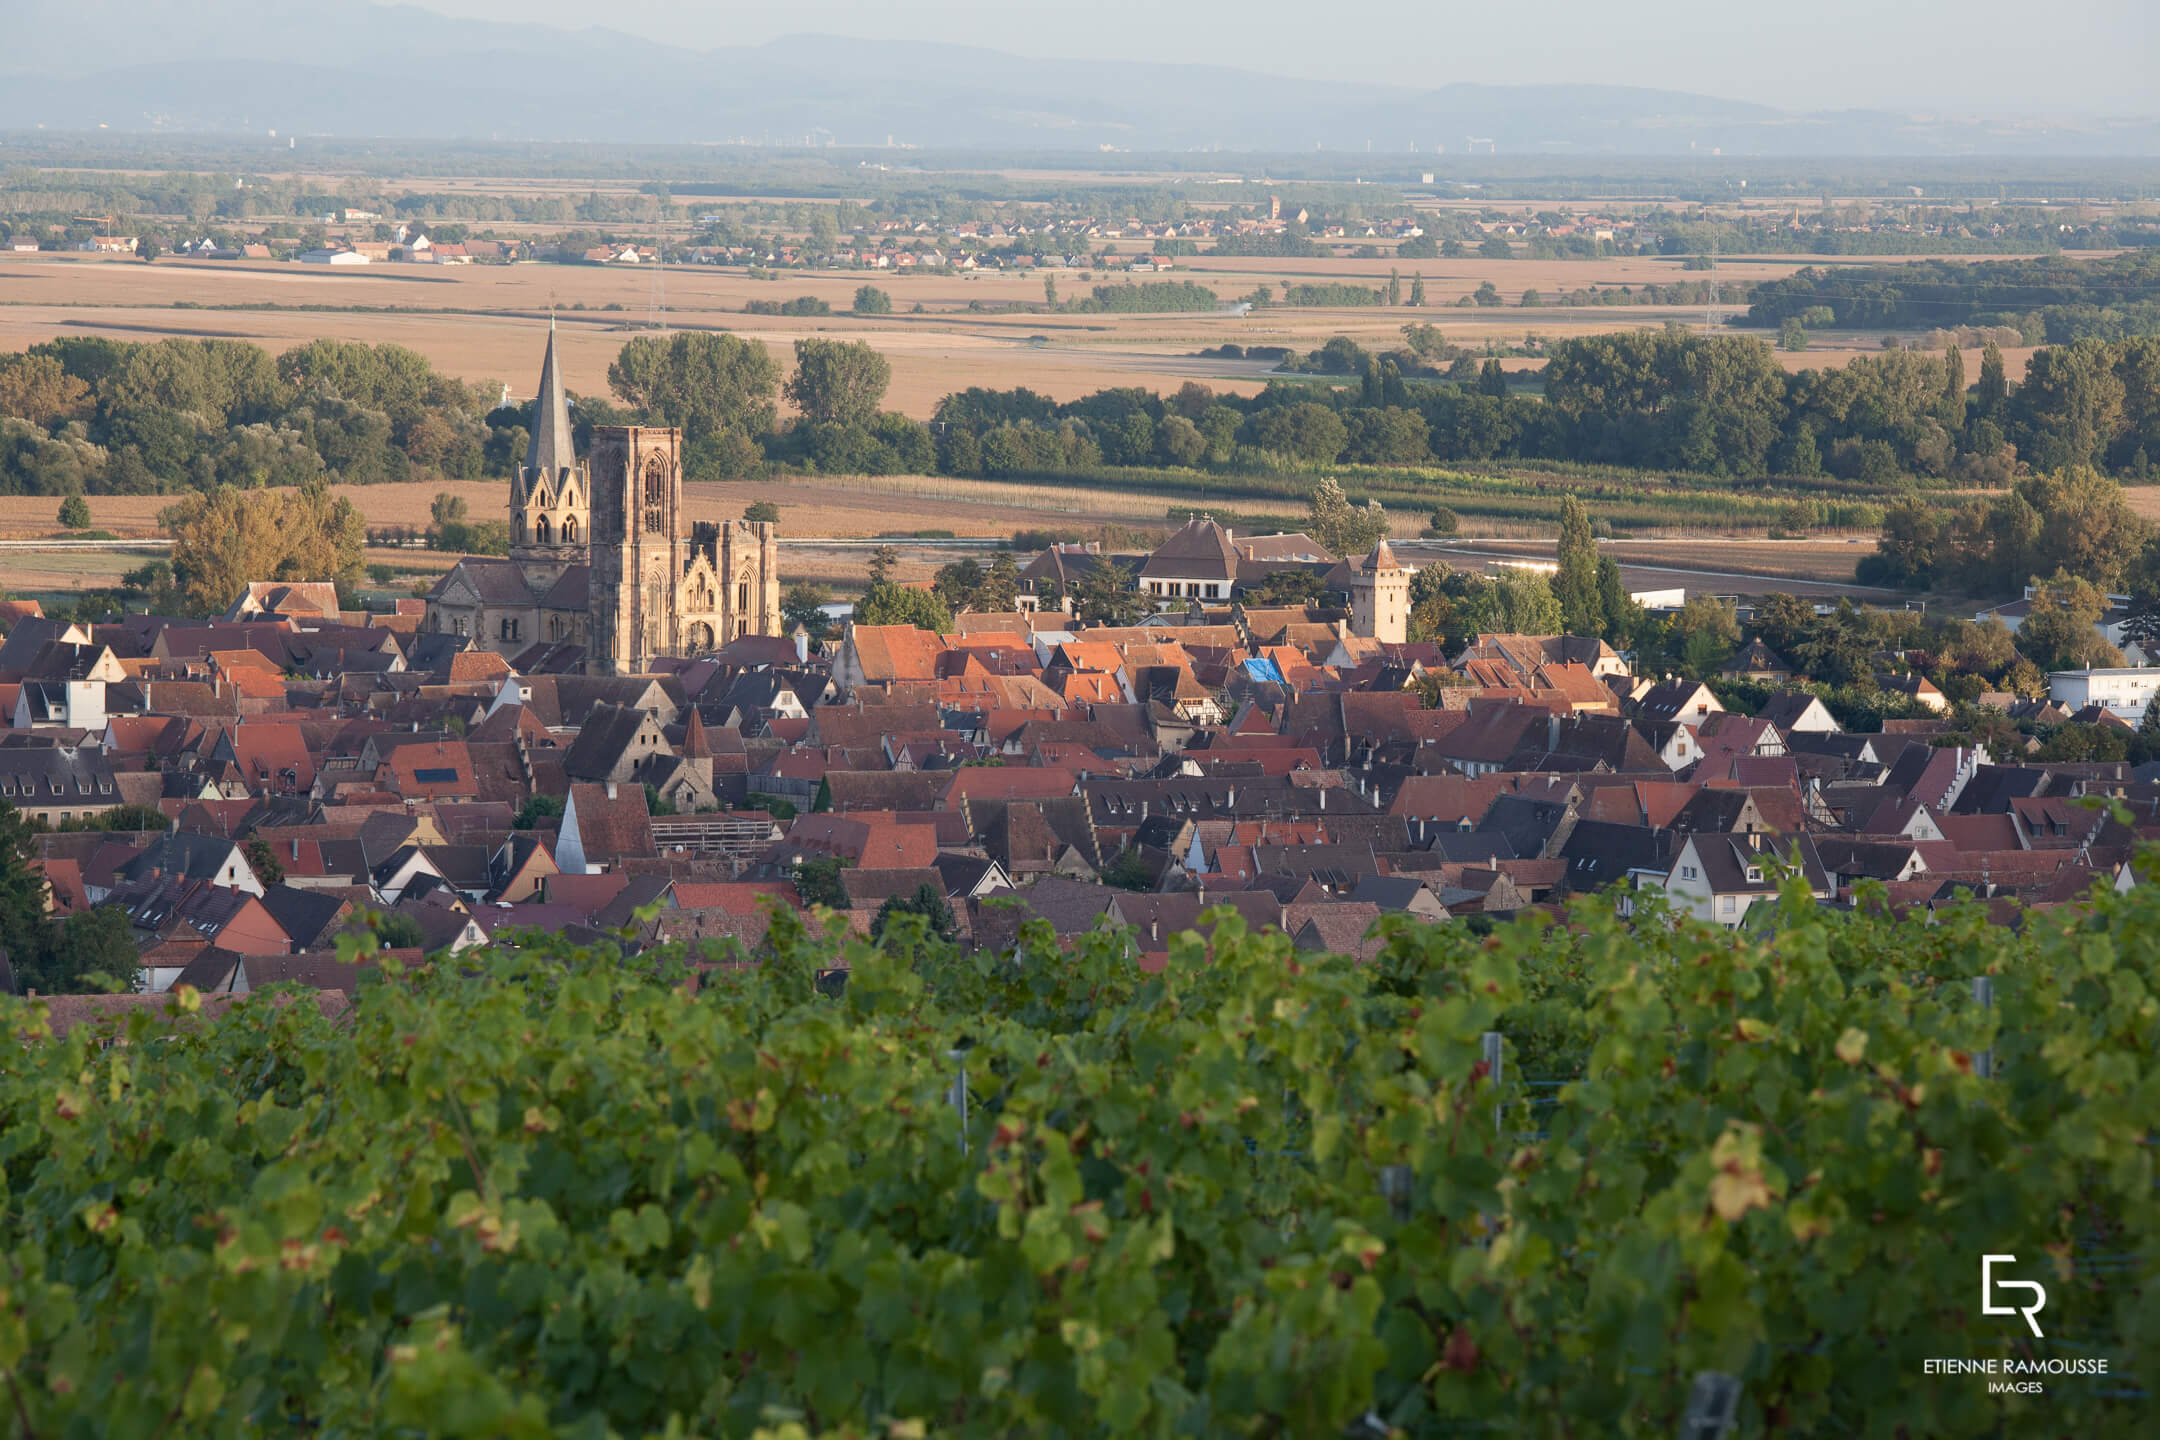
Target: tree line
(2052, 299)
(92, 415)
(103, 416)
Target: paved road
(1640, 576)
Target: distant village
(285, 771)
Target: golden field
(484, 323)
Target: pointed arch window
(655, 496)
(540, 529)
(569, 530)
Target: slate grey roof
(1601, 853)
(56, 775)
(552, 448)
(572, 590)
(183, 853)
(306, 915)
(497, 582)
(603, 741)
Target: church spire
(551, 449)
(694, 744)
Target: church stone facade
(599, 555)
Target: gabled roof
(1198, 549)
(606, 740)
(612, 829)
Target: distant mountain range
(358, 70)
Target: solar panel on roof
(436, 777)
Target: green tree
(1993, 391)
(1343, 530)
(93, 952)
(23, 929)
(869, 300)
(2061, 630)
(707, 384)
(1623, 617)
(75, 513)
(38, 388)
(1288, 587)
(838, 382)
(535, 809)
(1492, 380)
(1905, 552)
(928, 903)
(1104, 594)
(1129, 872)
(396, 930)
(225, 538)
(1180, 441)
(1303, 431)
(2070, 407)
(263, 860)
(817, 882)
(1443, 522)
(1575, 583)
(999, 592)
(883, 561)
(898, 605)
(803, 604)
(2086, 525)
(1792, 335)
(1704, 635)
(1417, 289)
(761, 512)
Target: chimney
(1154, 928)
(1230, 798)
(1143, 809)
(611, 789)
(1323, 797)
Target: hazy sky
(2001, 56)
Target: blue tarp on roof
(1265, 671)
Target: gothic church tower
(637, 547)
(550, 498)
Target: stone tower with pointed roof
(550, 497)
(1380, 597)
(605, 569)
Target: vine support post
(1711, 1406)
(1490, 1043)
(957, 1095)
(1395, 1188)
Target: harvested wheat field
(483, 323)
